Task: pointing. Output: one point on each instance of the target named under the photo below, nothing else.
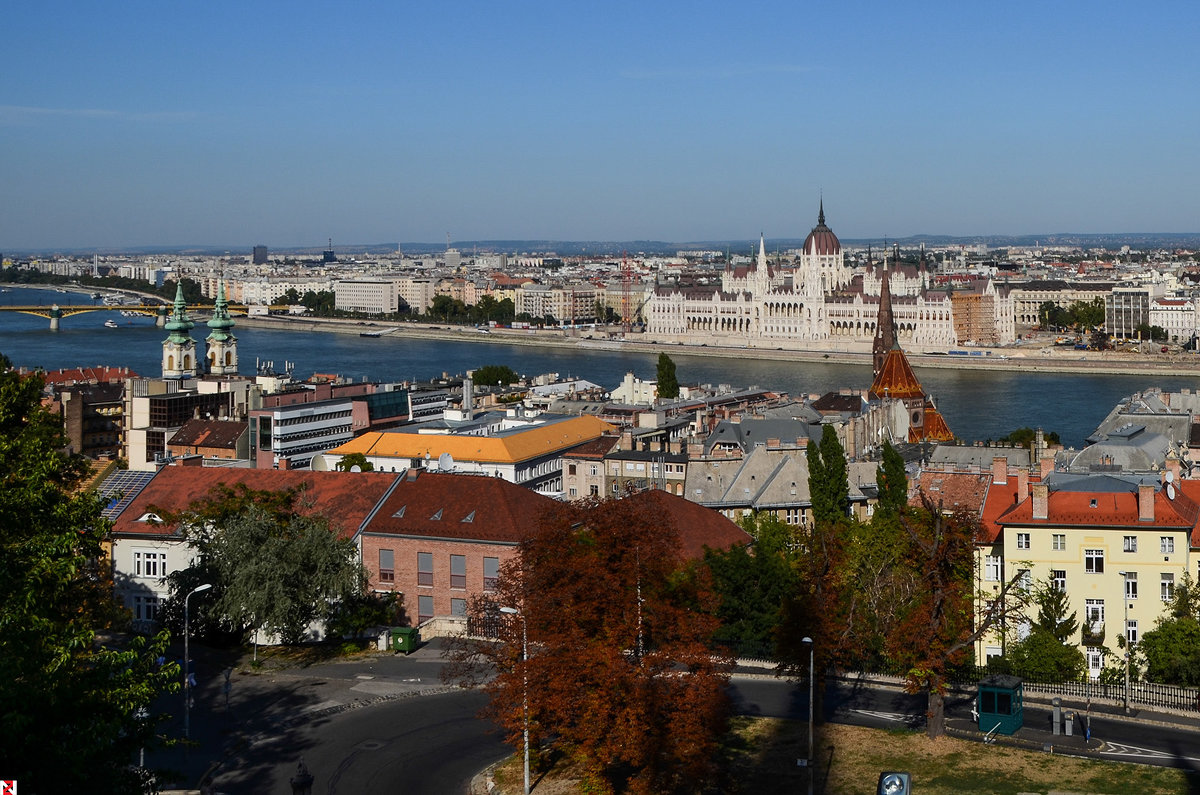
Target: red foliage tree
(620, 673)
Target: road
(422, 738)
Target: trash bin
(405, 639)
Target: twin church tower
(179, 349)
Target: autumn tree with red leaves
(620, 676)
(940, 625)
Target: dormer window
(151, 518)
(400, 513)
(1092, 503)
(437, 517)
(469, 517)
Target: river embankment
(1032, 358)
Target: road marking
(893, 716)
(1120, 749)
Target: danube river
(978, 404)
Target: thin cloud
(18, 114)
(713, 72)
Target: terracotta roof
(88, 375)
(347, 498)
(698, 527)
(467, 507)
(954, 490)
(209, 433)
(1191, 490)
(508, 449)
(1001, 497)
(1111, 509)
(896, 378)
(934, 429)
(597, 448)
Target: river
(977, 404)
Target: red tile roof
(87, 375)
(1119, 509)
(896, 378)
(698, 527)
(954, 490)
(461, 507)
(346, 498)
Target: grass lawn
(759, 756)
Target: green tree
(828, 480)
(1041, 657)
(1023, 437)
(891, 479)
(357, 613)
(494, 375)
(1085, 315)
(70, 703)
(273, 567)
(290, 296)
(1054, 616)
(668, 383)
(351, 460)
(753, 583)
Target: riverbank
(1034, 358)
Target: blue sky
(223, 123)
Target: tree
(1099, 341)
(273, 567)
(668, 383)
(1053, 617)
(70, 703)
(1023, 437)
(891, 479)
(939, 624)
(618, 628)
(290, 297)
(357, 613)
(352, 460)
(1041, 657)
(753, 583)
(828, 481)
(1172, 648)
(495, 375)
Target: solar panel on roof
(120, 488)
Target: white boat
(111, 324)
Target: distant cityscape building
(260, 255)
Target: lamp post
(811, 761)
(512, 611)
(1125, 630)
(187, 664)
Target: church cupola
(179, 349)
(221, 345)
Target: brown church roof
(896, 378)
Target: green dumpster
(405, 639)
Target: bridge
(159, 312)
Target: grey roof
(963, 456)
(765, 478)
(1104, 483)
(749, 433)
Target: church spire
(179, 349)
(885, 324)
(221, 344)
(821, 213)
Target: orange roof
(346, 498)
(1191, 490)
(87, 375)
(954, 490)
(896, 378)
(934, 428)
(512, 448)
(697, 527)
(1001, 497)
(1111, 509)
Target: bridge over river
(55, 313)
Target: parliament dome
(821, 241)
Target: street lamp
(1128, 648)
(811, 761)
(187, 664)
(512, 611)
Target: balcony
(1093, 634)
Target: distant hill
(615, 248)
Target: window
(1166, 544)
(458, 607)
(1131, 585)
(1095, 661)
(1131, 634)
(594, 490)
(1130, 544)
(150, 564)
(425, 568)
(1093, 561)
(1166, 587)
(592, 469)
(491, 573)
(458, 571)
(1058, 579)
(993, 568)
(1058, 542)
(570, 469)
(1022, 540)
(387, 565)
(145, 608)
(573, 491)
(1024, 580)
(1094, 612)
(424, 608)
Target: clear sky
(234, 123)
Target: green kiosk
(1000, 703)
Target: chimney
(468, 401)
(1174, 467)
(1041, 501)
(1000, 470)
(1146, 502)
(1047, 465)
(773, 444)
(1022, 485)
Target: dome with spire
(821, 241)
(221, 322)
